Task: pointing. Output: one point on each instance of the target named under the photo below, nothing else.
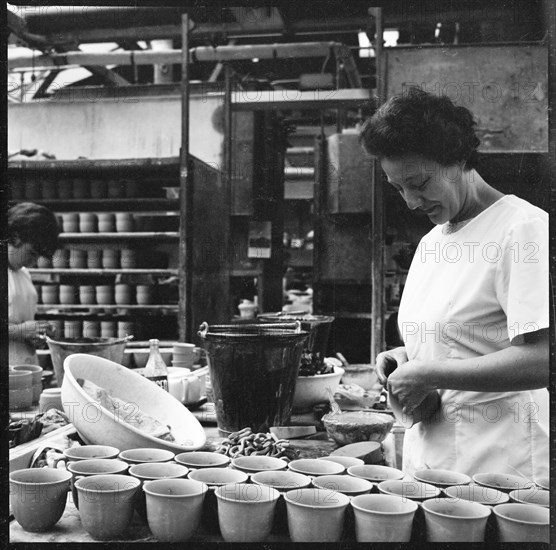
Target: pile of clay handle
(247, 443)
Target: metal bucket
(318, 327)
(253, 370)
(109, 348)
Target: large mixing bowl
(99, 426)
(109, 348)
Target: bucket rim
(279, 316)
(97, 341)
(252, 330)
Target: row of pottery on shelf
(119, 294)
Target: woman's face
(438, 191)
(21, 255)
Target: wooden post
(378, 301)
(186, 198)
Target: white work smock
(468, 294)
(22, 306)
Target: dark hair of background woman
(35, 224)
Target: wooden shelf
(100, 272)
(103, 165)
(132, 235)
(43, 308)
(107, 205)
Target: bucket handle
(204, 327)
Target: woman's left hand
(409, 384)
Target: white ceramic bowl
(312, 390)
(97, 425)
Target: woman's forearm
(16, 332)
(517, 368)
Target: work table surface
(70, 530)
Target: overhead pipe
(153, 57)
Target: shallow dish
(96, 424)
(442, 478)
(502, 482)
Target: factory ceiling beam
(273, 26)
(18, 27)
(154, 57)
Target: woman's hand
(31, 331)
(410, 385)
(388, 361)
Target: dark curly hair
(417, 122)
(35, 224)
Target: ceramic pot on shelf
(105, 294)
(106, 222)
(68, 294)
(111, 258)
(87, 222)
(70, 222)
(80, 188)
(97, 188)
(49, 293)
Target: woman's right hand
(32, 331)
(388, 361)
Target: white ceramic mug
(184, 386)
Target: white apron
(22, 305)
(468, 294)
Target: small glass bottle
(155, 369)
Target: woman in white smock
(32, 232)
(474, 315)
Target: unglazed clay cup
(215, 477)
(38, 497)
(36, 378)
(92, 467)
(174, 508)
(522, 522)
(106, 504)
(202, 459)
(348, 485)
(315, 515)
(149, 471)
(246, 511)
(449, 520)
(383, 518)
(146, 454)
